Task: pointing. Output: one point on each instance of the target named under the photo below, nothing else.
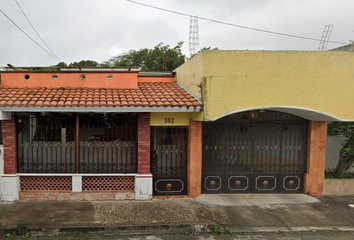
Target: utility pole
(164, 62)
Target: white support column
(5, 115)
(9, 184)
(10, 187)
(143, 187)
(1, 160)
(77, 183)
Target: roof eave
(101, 109)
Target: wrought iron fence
(106, 143)
(46, 144)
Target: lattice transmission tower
(325, 37)
(193, 35)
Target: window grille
(46, 144)
(108, 143)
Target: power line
(27, 35)
(232, 24)
(37, 32)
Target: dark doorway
(169, 160)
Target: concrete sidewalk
(255, 199)
(174, 216)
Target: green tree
(208, 48)
(61, 65)
(84, 63)
(150, 59)
(204, 49)
(346, 158)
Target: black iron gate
(259, 152)
(169, 160)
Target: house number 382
(169, 120)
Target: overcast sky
(99, 29)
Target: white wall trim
(1, 160)
(306, 113)
(100, 109)
(74, 174)
(143, 175)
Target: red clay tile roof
(148, 94)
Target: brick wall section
(194, 166)
(143, 143)
(9, 139)
(316, 161)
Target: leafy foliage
(82, 63)
(61, 65)
(345, 129)
(333, 175)
(150, 59)
(205, 49)
(220, 230)
(208, 48)
(346, 159)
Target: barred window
(47, 143)
(108, 143)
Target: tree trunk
(344, 163)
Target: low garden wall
(339, 187)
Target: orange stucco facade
(194, 165)
(69, 79)
(78, 79)
(156, 79)
(316, 161)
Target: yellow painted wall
(236, 80)
(174, 119)
(190, 74)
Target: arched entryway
(255, 152)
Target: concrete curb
(165, 229)
(293, 229)
(121, 230)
